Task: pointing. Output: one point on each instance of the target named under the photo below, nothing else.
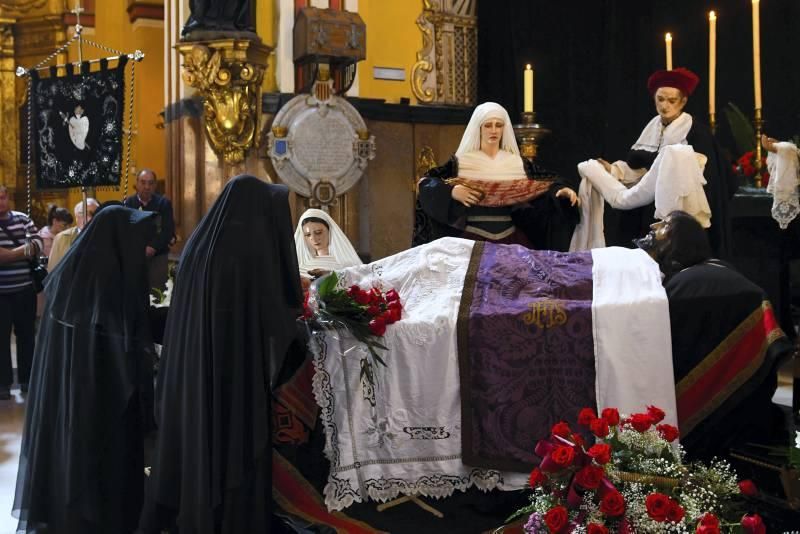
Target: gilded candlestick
(529, 133)
(758, 122)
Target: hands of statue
(316, 273)
(465, 195)
(606, 165)
(149, 251)
(768, 143)
(568, 193)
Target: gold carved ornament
(21, 6)
(423, 68)
(545, 314)
(231, 89)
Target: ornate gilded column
(228, 74)
(9, 112)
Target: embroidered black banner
(77, 126)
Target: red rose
(611, 416)
(600, 453)
(753, 524)
(394, 304)
(561, 429)
(748, 488)
(353, 290)
(556, 518)
(668, 432)
(675, 512)
(578, 440)
(613, 504)
(563, 455)
(373, 310)
(640, 421)
(586, 416)
(395, 313)
(377, 326)
(709, 524)
(392, 296)
(361, 297)
(594, 528)
(589, 477)
(599, 428)
(375, 296)
(709, 520)
(537, 478)
(657, 505)
(656, 414)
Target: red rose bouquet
(365, 313)
(746, 166)
(632, 480)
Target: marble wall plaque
(317, 141)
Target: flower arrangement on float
(746, 166)
(632, 480)
(364, 313)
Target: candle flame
(712, 15)
(528, 66)
(668, 37)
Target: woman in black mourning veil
(237, 294)
(82, 460)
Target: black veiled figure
(237, 294)
(81, 464)
(220, 15)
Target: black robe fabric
(236, 296)
(707, 303)
(547, 221)
(623, 226)
(82, 460)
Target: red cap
(680, 78)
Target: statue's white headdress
(340, 250)
(471, 140)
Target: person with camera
(19, 244)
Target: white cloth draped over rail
(404, 435)
(784, 182)
(675, 182)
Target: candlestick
(756, 54)
(758, 122)
(528, 89)
(712, 65)
(668, 42)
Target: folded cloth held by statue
(503, 192)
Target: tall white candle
(712, 62)
(756, 54)
(528, 89)
(668, 42)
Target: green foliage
(742, 129)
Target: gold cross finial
(77, 10)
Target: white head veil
(340, 250)
(471, 140)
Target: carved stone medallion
(320, 145)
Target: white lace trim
(784, 182)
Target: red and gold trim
(726, 368)
(292, 492)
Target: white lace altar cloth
(404, 435)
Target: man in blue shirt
(157, 250)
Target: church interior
(366, 266)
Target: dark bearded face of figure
(656, 242)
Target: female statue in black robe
(237, 294)
(82, 460)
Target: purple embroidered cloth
(526, 353)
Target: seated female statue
(488, 192)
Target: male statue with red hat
(676, 164)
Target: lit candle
(668, 42)
(528, 79)
(712, 62)
(756, 54)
